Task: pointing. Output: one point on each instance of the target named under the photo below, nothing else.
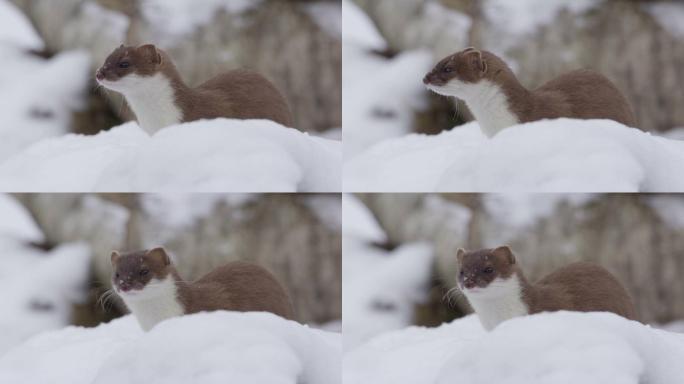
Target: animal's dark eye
(124, 64)
(448, 69)
(116, 275)
(489, 270)
(144, 272)
(461, 273)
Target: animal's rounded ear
(160, 254)
(505, 253)
(115, 257)
(151, 53)
(459, 255)
(477, 60)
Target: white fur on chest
(485, 100)
(500, 301)
(151, 98)
(156, 302)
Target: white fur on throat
(156, 302)
(499, 301)
(151, 98)
(485, 100)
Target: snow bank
(380, 288)
(216, 347)
(204, 156)
(549, 348)
(562, 155)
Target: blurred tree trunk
(620, 39)
(283, 40)
(624, 233)
(282, 233)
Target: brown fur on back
(237, 286)
(239, 94)
(583, 287)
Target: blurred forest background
(414, 238)
(57, 250)
(639, 45)
(294, 43)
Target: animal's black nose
(469, 284)
(427, 79)
(100, 74)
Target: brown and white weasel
(156, 93)
(153, 290)
(498, 100)
(497, 289)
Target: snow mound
(215, 347)
(562, 155)
(219, 155)
(548, 348)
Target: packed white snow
(548, 348)
(380, 95)
(562, 155)
(37, 287)
(205, 348)
(380, 287)
(220, 155)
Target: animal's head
(133, 272)
(484, 270)
(454, 74)
(126, 67)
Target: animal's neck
(490, 103)
(158, 301)
(506, 304)
(154, 103)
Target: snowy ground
(206, 348)
(549, 348)
(37, 288)
(561, 155)
(219, 155)
(380, 287)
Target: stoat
(497, 289)
(498, 100)
(159, 97)
(153, 290)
